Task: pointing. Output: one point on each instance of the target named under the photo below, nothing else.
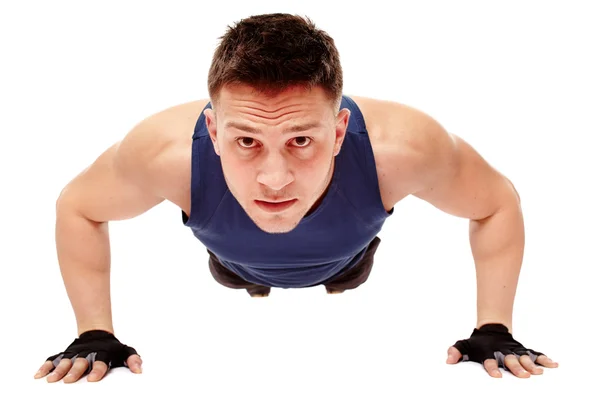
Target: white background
(517, 80)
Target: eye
(245, 142)
(302, 141)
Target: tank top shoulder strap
(357, 121)
(200, 127)
(359, 181)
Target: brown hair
(271, 52)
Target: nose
(275, 173)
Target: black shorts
(349, 279)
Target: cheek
(238, 173)
(312, 171)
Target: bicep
(104, 191)
(150, 164)
(457, 179)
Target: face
(277, 152)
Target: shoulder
(156, 151)
(416, 156)
(168, 126)
(409, 146)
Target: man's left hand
(493, 346)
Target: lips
(275, 206)
(274, 201)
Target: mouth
(275, 206)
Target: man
(287, 182)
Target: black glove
(495, 342)
(96, 345)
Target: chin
(277, 230)
(275, 223)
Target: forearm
(83, 251)
(497, 245)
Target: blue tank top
(327, 241)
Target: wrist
(485, 321)
(95, 327)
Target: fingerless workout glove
(492, 341)
(96, 345)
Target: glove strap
(96, 334)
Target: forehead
(239, 101)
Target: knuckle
(514, 366)
(491, 368)
(100, 365)
(518, 370)
(98, 371)
(525, 358)
(96, 375)
(59, 371)
(64, 363)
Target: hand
(493, 346)
(94, 352)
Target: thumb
(134, 363)
(453, 355)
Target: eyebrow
(293, 129)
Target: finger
(530, 366)
(80, 366)
(134, 363)
(98, 371)
(44, 370)
(512, 363)
(129, 351)
(491, 366)
(453, 355)
(546, 362)
(60, 371)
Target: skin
(276, 162)
(414, 156)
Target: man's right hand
(94, 352)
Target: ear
(211, 124)
(341, 126)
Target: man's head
(275, 85)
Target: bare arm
(465, 185)
(112, 188)
(151, 164)
(422, 159)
